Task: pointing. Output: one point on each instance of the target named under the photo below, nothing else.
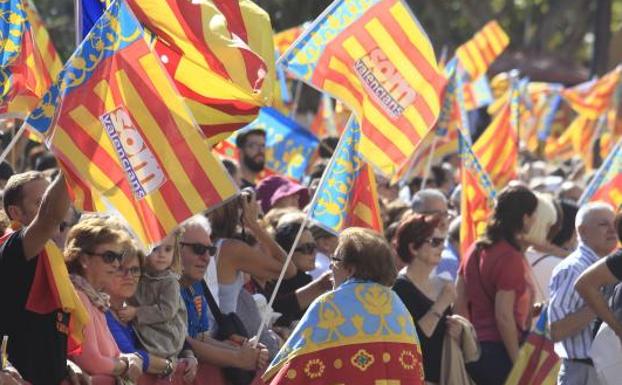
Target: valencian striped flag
(284, 39)
(123, 135)
(537, 363)
(497, 147)
(90, 11)
(594, 98)
(28, 60)
(477, 54)
(347, 195)
(220, 55)
(375, 57)
(289, 146)
(606, 185)
(477, 198)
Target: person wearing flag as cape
(359, 332)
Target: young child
(160, 315)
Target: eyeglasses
(201, 249)
(134, 272)
(335, 260)
(107, 256)
(435, 241)
(306, 248)
(255, 146)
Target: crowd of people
(187, 310)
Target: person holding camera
(234, 257)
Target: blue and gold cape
(361, 333)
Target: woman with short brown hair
(95, 248)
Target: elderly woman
(419, 243)
(360, 331)
(121, 289)
(196, 250)
(495, 289)
(94, 251)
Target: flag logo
(384, 83)
(140, 165)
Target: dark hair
(6, 170)
(240, 140)
(569, 212)
(414, 229)
(618, 222)
(285, 234)
(367, 254)
(13, 191)
(439, 174)
(511, 205)
(225, 219)
(45, 161)
(327, 147)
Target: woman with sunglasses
(360, 332)
(419, 244)
(234, 257)
(94, 251)
(121, 290)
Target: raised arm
(52, 211)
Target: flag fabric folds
(122, 132)
(28, 60)
(220, 55)
(537, 363)
(594, 98)
(51, 290)
(376, 58)
(289, 146)
(359, 333)
(497, 148)
(606, 185)
(478, 193)
(284, 39)
(347, 193)
(477, 54)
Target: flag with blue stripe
(289, 146)
(90, 11)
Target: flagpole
(78, 21)
(264, 317)
(428, 168)
(297, 94)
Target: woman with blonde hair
(159, 314)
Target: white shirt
(542, 271)
(322, 264)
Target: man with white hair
(432, 202)
(572, 321)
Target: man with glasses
(37, 340)
(252, 151)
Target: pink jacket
(99, 349)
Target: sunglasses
(107, 256)
(201, 249)
(435, 241)
(306, 248)
(133, 272)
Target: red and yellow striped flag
(577, 139)
(375, 57)
(497, 149)
(284, 39)
(30, 64)
(364, 202)
(220, 55)
(594, 98)
(477, 54)
(477, 197)
(123, 134)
